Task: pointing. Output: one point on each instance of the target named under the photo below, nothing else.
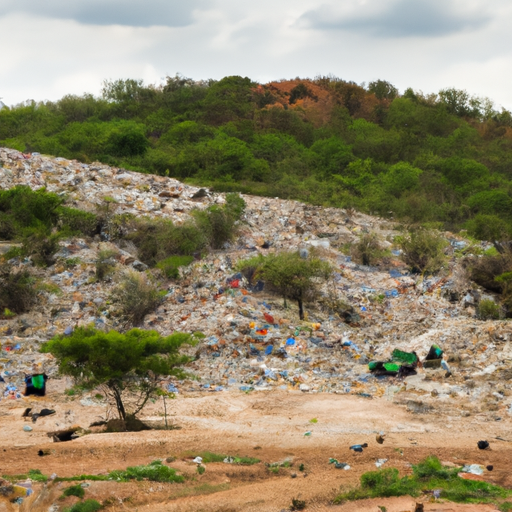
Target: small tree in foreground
(290, 275)
(127, 366)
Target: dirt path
(266, 425)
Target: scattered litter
(380, 462)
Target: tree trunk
(301, 309)
(119, 402)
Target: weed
(136, 296)
(170, 266)
(75, 490)
(86, 506)
(488, 310)
(17, 292)
(427, 475)
(105, 263)
(217, 457)
(155, 472)
(298, 504)
(201, 469)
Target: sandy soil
(267, 425)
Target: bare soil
(267, 425)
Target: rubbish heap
(365, 315)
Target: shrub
(155, 472)
(490, 271)
(128, 366)
(78, 221)
(170, 266)
(423, 250)
(41, 245)
(156, 240)
(368, 250)
(74, 490)
(291, 275)
(86, 506)
(217, 223)
(105, 263)
(136, 296)
(17, 292)
(488, 310)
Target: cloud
(135, 13)
(399, 18)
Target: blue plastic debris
(68, 330)
(290, 341)
(269, 349)
(395, 273)
(172, 388)
(246, 388)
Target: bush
(17, 292)
(488, 310)
(488, 271)
(155, 472)
(136, 296)
(423, 250)
(217, 223)
(368, 250)
(170, 266)
(86, 506)
(156, 240)
(128, 366)
(105, 263)
(78, 221)
(41, 245)
(74, 490)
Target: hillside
(441, 160)
(242, 395)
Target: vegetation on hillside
(443, 158)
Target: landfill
(252, 342)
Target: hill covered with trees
(442, 160)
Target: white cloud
(46, 58)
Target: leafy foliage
(126, 365)
(290, 274)
(136, 295)
(429, 474)
(423, 250)
(17, 292)
(74, 490)
(154, 472)
(442, 157)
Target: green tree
(291, 275)
(383, 90)
(128, 367)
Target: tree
(290, 274)
(127, 366)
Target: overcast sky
(49, 48)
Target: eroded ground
(268, 425)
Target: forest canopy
(442, 160)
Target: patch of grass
(427, 475)
(86, 506)
(201, 469)
(155, 472)
(34, 474)
(75, 490)
(170, 266)
(488, 310)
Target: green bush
(128, 366)
(367, 250)
(423, 250)
(170, 266)
(136, 295)
(74, 490)
(155, 472)
(85, 506)
(17, 291)
(105, 263)
(427, 475)
(78, 221)
(488, 310)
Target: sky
(52, 48)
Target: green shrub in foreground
(427, 476)
(86, 506)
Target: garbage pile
(357, 338)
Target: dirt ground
(268, 425)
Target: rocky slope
(364, 314)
